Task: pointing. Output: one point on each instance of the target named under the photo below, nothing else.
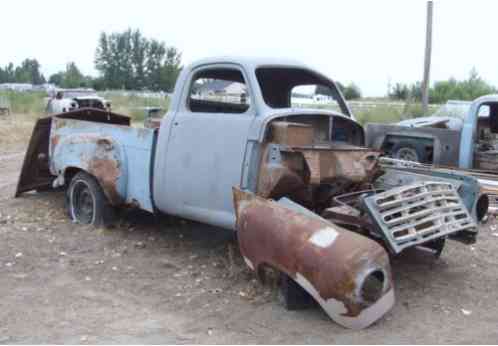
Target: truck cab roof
(270, 82)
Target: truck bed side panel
(118, 156)
(446, 142)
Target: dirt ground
(173, 281)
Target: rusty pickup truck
(304, 195)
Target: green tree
(27, 72)
(153, 64)
(56, 78)
(351, 92)
(71, 78)
(468, 89)
(399, 91)
(442, 91)
(129, 60)
(139, 55)
(9, 73)
(170, 70)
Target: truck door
(206, 146)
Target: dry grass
(15, 132)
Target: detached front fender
(347, 274)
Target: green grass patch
(133, 105)
(385, 113)
(30, 103)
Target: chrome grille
(419, 212)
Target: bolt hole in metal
(83, 203)
(372, 287)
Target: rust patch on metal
(286, 178)
(358, 165)
(104, 166)
(292, 134)
(313, 175)
(54, 140)
(107, 173)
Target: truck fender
(347, 274)
(101, 156)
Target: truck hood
(450, 123)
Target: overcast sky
(368, 42)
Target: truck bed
(119, 156)
(103, 144)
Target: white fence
(136, 93)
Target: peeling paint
(324, 237)
(338, 311)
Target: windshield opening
(284, 87)
(454, 109)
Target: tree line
(125, 60)
(129, 60)
(442, 91)
(27, 72)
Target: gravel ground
(180, 282)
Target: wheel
(87, 203)
(294, 296)
(408, 152)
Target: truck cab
(212, 137)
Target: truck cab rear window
(219, 91)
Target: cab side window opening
(219, 91)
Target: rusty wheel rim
(83, 203)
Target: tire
(294, 297)
(409, 152)
(86, 203)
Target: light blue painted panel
(74, 142)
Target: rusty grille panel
(419, 212)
